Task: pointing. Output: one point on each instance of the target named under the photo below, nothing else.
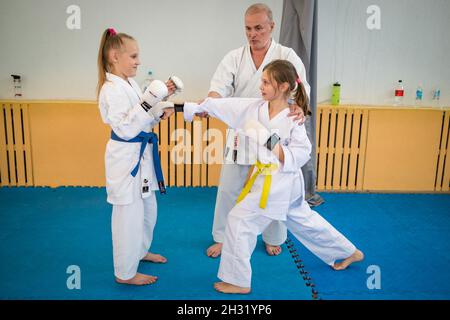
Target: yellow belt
(266, 170)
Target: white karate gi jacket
(287, 185)
(237, 76)
(119, 103)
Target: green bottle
(336, 94)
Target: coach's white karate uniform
(237, 76)
(134, 211)
(286, 197)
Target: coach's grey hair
(260, 7)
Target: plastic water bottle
(399, 94)
(419, 95)
(336, 94)
(147, 80)
(436, 96)
(17, 86)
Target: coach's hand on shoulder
(297, 113)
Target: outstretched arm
(228, 110)
(211, 94)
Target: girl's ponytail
(102, 63)
(301, 98)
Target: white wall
(413, 44)
(186, 38)
(189, 38)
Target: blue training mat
(406, 241)
(44, 231)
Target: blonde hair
(260, 7)
(110, 40)
(282, 71)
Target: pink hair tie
(298, 81)
(112, 32)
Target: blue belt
(144, 138)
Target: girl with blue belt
(132, 168)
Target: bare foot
(273, 250)
(229, 288)
(139, 280)
(214, 250)
(153, 257)
(355, 257)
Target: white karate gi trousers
(243, 227)
(232, 178)
(132, 234)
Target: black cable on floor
(301, 268)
